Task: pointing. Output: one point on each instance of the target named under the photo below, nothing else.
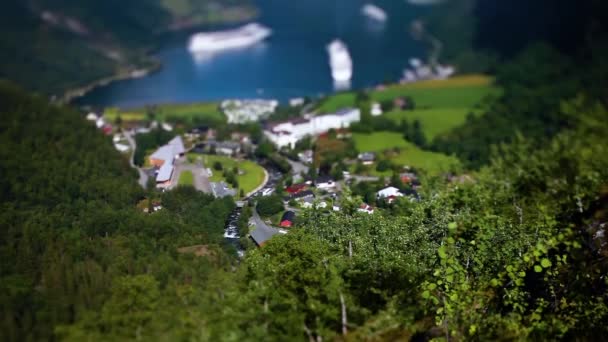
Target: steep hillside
(50, 46)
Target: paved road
(365, 178)
(201, 179)
(143, 176)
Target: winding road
(143, 176)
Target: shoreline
(73, 94)
(138, 72)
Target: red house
(296, 188)
(287, 219)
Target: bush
(218, 166)
(270, 205)
(384, 165)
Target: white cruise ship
(340, 61)
(374, 12)
(230, 39)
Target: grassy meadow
(208, 111)
(392, 146)
(440, 104)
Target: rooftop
(261, 234)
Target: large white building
(287, 133)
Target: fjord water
(293, 62)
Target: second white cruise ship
(229, 39)
(340, 62)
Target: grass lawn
(252, 177)
(208, 111)
(440, 104)
(338, 101)
(409, 154)
(186, 178)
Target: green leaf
(442, 253)
(545, 263)
(452, 225)
(537, 269)
(426, 294)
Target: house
(287, 133)
(296, 188)
(241, 138)
(310, 203)
(262, 233)
(228, 148)
(167, 127)
(121, 147)
(366, 208)
(172, 150)
(408, 177)
(288, 219)
(300, 196)
(92, 117)
(107, 129)
(197, 132)
(390, 194)
(164, 158)
(325, 183)
(367, 158)
(376, 109)
(221, 189)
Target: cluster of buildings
(163, 159)
(287, 133)
(420, 71)
(243, 111)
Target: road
(365, 178)
(201, 178)
(143, 176)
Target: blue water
(293, 62)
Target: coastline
(73, 94)
(229, 18)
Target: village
(231, 167)
(283, 161)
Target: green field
(252, 177)
(409, 154)
(440, 104)
(207, 111)
(186, 178)
(337, 101)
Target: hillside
(50, 46)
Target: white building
(376, 109)
(287, 133)
(390, 194)
(366, 208)
(325, 183)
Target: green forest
(51, 46)
(518, 250)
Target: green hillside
(50, 46)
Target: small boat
(374, 12)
